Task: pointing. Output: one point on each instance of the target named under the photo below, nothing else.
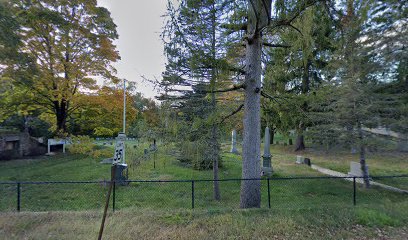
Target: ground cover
(300, 208)
(163, 166)
(350, 223)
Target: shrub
(196, 154)
(84, 145)
(103, 132)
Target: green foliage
(196, 154)
(84, 145)
(103, 132)
(64, 43)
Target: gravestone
(299, 159)
(121, 170)
(153, 147)
(266, 163)
(234, 142)
(119, 156)
(307, 162)
(355, 169)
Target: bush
(84, 145)
(196, 154)
(103, 132)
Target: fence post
(192, 194)
(114, 196)
(354, 191)
(18, 196)
(269, 195)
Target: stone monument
(355, 170)
(234, 142)
(300, 159)
(267, 163)
(121, 169)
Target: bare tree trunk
(61, 115)
(251, 153)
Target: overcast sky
(139, 24)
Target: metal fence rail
(276, 192)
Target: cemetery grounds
(300, 208)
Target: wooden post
(113, 170)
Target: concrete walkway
(358, 180)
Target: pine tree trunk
(363, 164)
(216, 185)
(214, 128)
(215, 151)
(259, 12)
(251, 168)
(300, 143)
(300, 140)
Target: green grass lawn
(349, 223)
(309, 207)
(285, 193)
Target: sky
(139, 24)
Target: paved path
(358, 180)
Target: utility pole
(124, 119)
(124, 106)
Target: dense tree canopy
(64, 43)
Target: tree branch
(275, 45)
(234, 88)
(264, 94)
(297, 29)
(294, 15)
(236, 69)
(235, 27)
(232, 114)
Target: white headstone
(234, 142)
(267, 143)
(355, 169)
(299, 159)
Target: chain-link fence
(276, 193)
